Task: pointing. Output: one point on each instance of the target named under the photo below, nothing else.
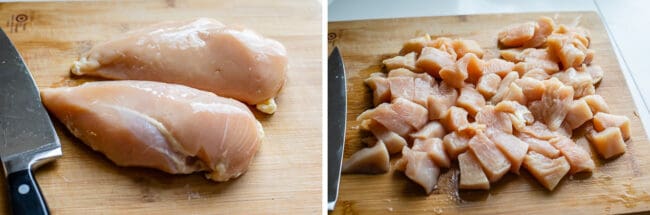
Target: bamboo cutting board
(617, 186)
(286, 173)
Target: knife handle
(25, 194)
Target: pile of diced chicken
(442, 101)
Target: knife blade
(336, 111)
(27, 135)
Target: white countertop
(627, 21)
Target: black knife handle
(25, 194)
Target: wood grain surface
(286, 174)
(617, 186)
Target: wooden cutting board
(617, 186)
(286, 173)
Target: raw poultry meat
(189, 130)
(230, 61)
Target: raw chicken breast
(407, 62)
(189, 130)
(455, 143)
(540, 146)
(515, 93)
(454, 119)
(433, 147)
(420, 168)
(605, 120)
(470, 99)
(494, 163)
(431, 60)
(230, 61)
(595, 71)
(608, 142)
(488, 84)
(547, 171)
(471, 174)
(393, 141)
(430, 130)
(517, 34)
(531, 88)
(386, 116)
(442, 99)
(497, 66)
(538, 130)
(504, 86)
(554, 105)
(472, 66)
(453, 76)
(415, 45)
(579, 113)
(380, 88)
(463, 47)
(536, 73)
(545, 27)
(579, 159)
(512, 147)
(494, 120)
(414, 114)
(580, 81)
(519, 114)
(596, 104)
(401, 87)
(373, 160)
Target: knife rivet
(331, 36)
(23, 189)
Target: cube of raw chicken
(512, 147)
(578, 158)
(580, 81)
(455, 143)
(547, 171)
(537, 74)
(519, 114)
(441, 100)
(189, 130)
(454, 119)
(497, 66)
(380, 88)
(517, 34)
(532, 59)
(431, 60)
(492, 160)
(579, 113)
(554, 105)
(471, 173)
(463, 47)
(515, 93)
(407, 62)
(415, 44)
(596, 72)
(470, 99)
(372, 160)
(605, 120)
(453, 76)
(387, 117)
(471, 65)
(488, 84)
(432, 129)
(230, 61)
(414, 114)
(538, 130)
(393, 141)
(608, 142)
(596, 104)
(425, 86)
(434, 148)
(420, 168)
(531, 88)
(545, 27)
(444, 44)
(569, 46)
(504, 86)
(494, 120)
(540, 146)
(401, 87)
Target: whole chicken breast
(230, 61)
(173, 128)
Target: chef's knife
(26, 133)
(336, 114)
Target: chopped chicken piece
(512, 147)
(455, 143)
(454, 119)
(472, 65)
(532, 88)
(453, 76)
(547, 171)
(420, 169)
(407, 62)
(538, 130)
(415, 45)
(444, 44)
(580, 81)
(380, 88)
(605, 120)
(372, 160)
(443, 98)
(553, 106)
(519, 114)
(536, 73)
(424, 87)
(569, 45)
(432, 129)
(579, 159)
(596, 103)
(393, 141)
(401, 87)
(387, 117)
(545, 27)
(470, 100)
(463, 47)
(504, 86)
(471, 174)
(431, 60)
(608, 142)
(414, 114)
(494, 120)
(488, 84)
(579, 113)
(539, 145)
(517, 34)
(596, 72)
(434, 148)
(492, 160)
(498, 66)
(515, 93)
